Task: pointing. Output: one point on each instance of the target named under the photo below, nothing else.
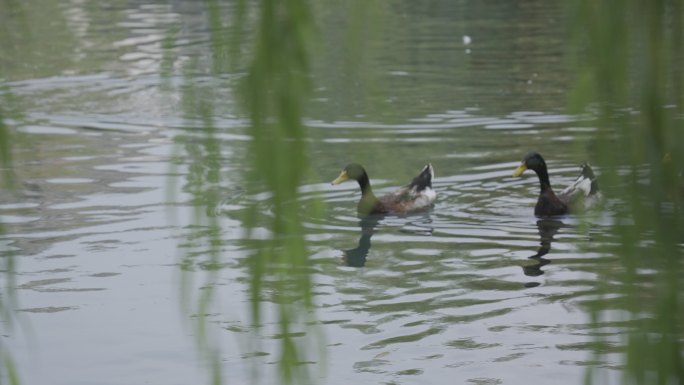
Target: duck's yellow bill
(343, 177)
(520, 170)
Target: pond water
(105, 101)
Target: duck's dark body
(550, 204)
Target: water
(478, 290)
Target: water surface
(110, 106)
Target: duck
(414, 197)
(583, 190)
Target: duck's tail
(424, 179)
(585, 184)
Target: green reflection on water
(204, 153)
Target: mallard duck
(550, 203)
(416, 196)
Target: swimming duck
(585, 188)
(416, 196)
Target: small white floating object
(466, 39)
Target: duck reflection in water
(547, 230)
(357, 256)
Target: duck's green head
(353, 171)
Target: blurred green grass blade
(275, 90)
(629, 67)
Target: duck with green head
(416, 196)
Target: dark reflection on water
(416, 224)
(356, 257)
(547, 230)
